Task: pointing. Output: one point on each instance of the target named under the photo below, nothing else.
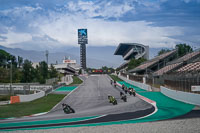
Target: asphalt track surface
(90, 99)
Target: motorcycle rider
(123, 97)
(126, 89)
(123, 87)
(133, 91)
(67, 109)
(112, 99)
(115, 83)
(130, 90)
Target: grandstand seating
(177, 63)
(190, 67)
(153, 61)
(186, 57)
(166, 69)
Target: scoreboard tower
(82, 40)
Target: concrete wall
(138, 84)
(67, 79)
(21, 87)
(31, 97)
(186, 97)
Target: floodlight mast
(47, 55)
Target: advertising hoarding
(82, 36)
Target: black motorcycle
(67, 109)
(123, 97)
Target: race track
(91, 105)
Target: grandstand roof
(153, 61)
(186, 57)
(132, 50)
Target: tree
(53, 72)
(183, 49)
(4, 75)
(27, 72)
(4, 57)
(17, 75)
(43, 70)
(162, 51)
(135, 62)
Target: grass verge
(40, 105)
(76, 81)
(115, 78)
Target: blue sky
(50, 24)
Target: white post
(127, 77)
(115, 72)
(144, 80)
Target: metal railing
(137, 78)
(176, 81)
(182, 81)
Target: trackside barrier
(186, 97)
(31, 97)
(26, 98)
(14, 99)
(140, 85)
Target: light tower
(47, 55)
(82, 40)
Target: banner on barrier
(195, 88)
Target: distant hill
(96, 56)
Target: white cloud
(187, 1)
(20, 11)
(103, 9)
(60, 28)
(102, 32)
(13, 37)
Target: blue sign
(82, 36)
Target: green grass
(40, 105)
(115, 78)
(76, 81)
(4, 97)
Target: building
(131, 50)
(68, 67)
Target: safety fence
(186, 82)
(183, 82)
(137, 78)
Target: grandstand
(131, 50)
(169, 70)
(178, 63)
(191, 67)
(155, 63)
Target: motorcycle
(112, 100)
(123, 97)
(67, 109)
